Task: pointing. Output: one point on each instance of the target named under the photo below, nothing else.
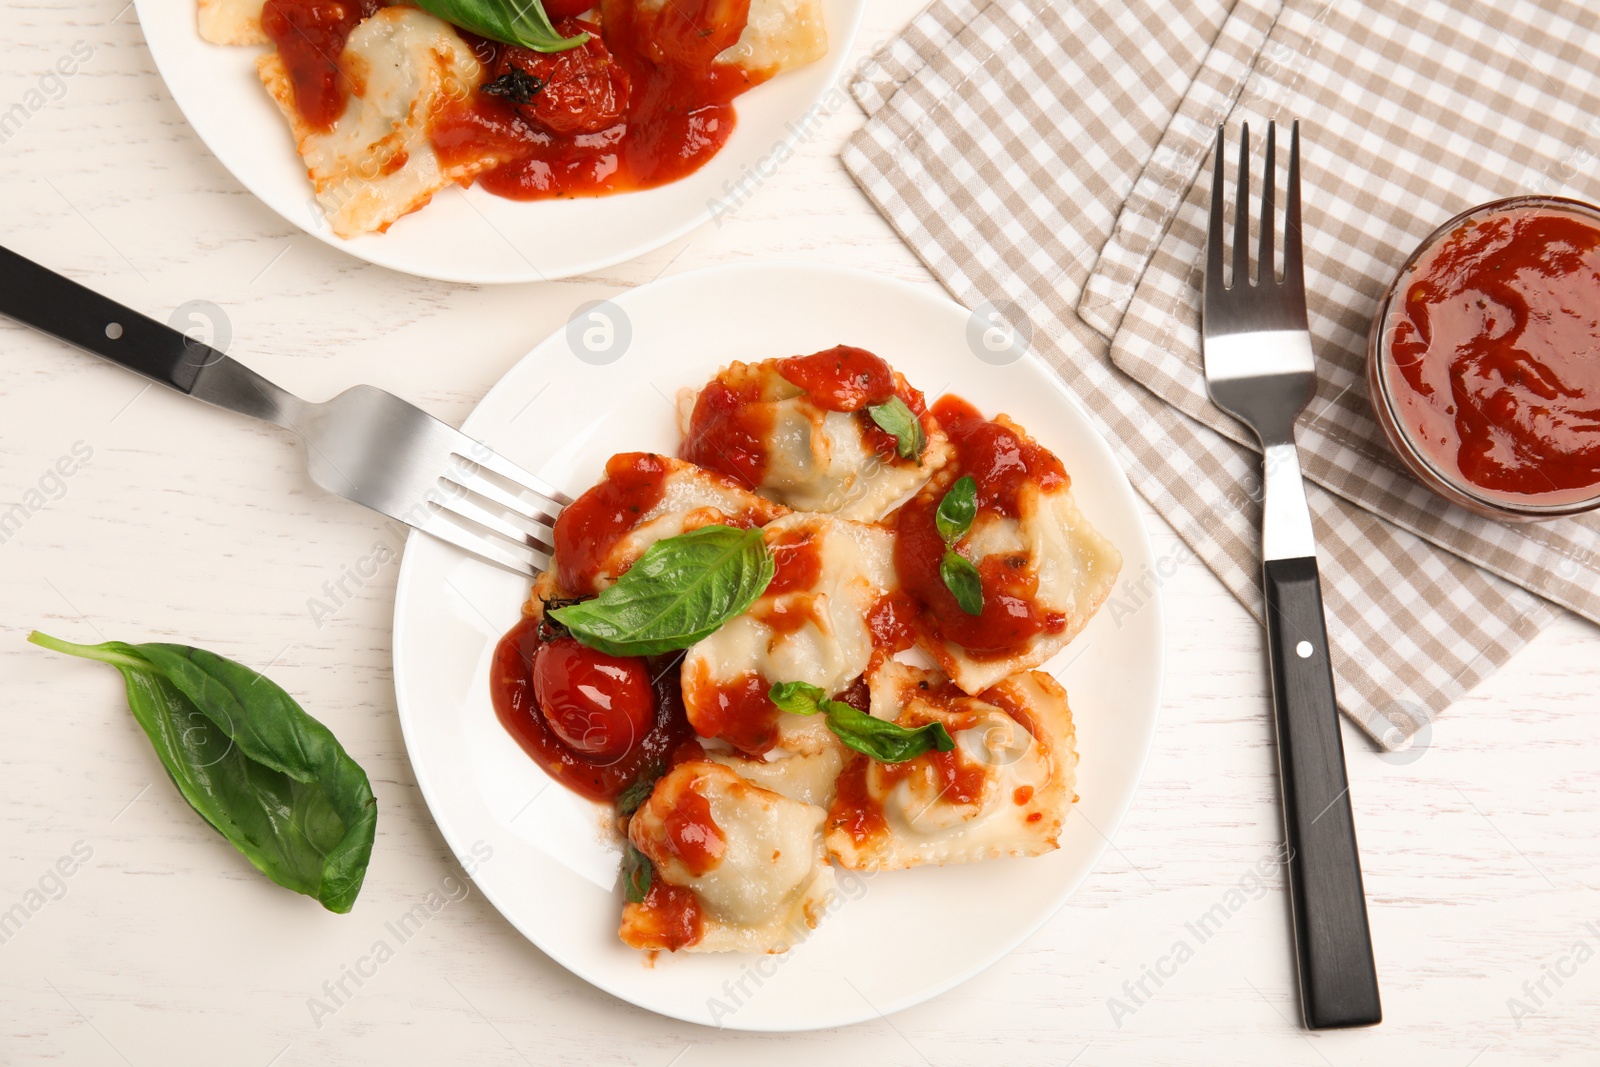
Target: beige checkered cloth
(1009, 143)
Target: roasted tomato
(598, 705)
(581, 90)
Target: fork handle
(1333, 944)
(57, 305)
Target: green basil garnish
(636, 874)
(882, 740)
(507, 21)
(681, 590)
(894, 417)
(961, 578)
(957, 511)
(631, 798)
(270, 778)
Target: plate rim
(1123, 485)
(833, 64)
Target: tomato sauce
(669, 919)
(728, 430)
(511, 688)
(797, 562)
(893, 622)
(679, 107)
(1495, 355)
(855, 810)
(739, 712)
(842, 378)
(310, 36)
(692, 835)
(1000, 459)
(588, 530)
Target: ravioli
(755, 425)
(232, 21)
(377, 163)
(642, 499)
(736, 868)
(1003, 790)
(1044, 567)
(814, 624)
(779, 35)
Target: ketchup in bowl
(1484, 362)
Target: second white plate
(470, 235)
(898, 938)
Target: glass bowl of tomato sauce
(1484, 359)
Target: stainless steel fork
(1260, 369)
(365, 444)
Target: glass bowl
(1437, 472)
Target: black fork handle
(55, 304)
(1333, 943)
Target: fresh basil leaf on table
(882, 740)
(267, 776)
(521, 22)
(894, 417)
(682, 589)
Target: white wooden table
(192, 525)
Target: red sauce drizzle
(692, 835)
(842, 378)
(310, 35)
(893, 622)
(797, 559)
(728, 430)
(679, 108)
(854, 810)
(669, 919)
(511, 687)
(738, 712)
(999, 458)
(591, 526)
(1496, 355)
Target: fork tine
(462, 506)
(524, 562)
(1293, 270)
(1241, 214)
(475, 482)
(1266, 269)
(1213, 279)
(488, 459)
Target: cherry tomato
(565, 9)
(599, 705)
(583, 89)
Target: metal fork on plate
(1260, 369)
(364, 444)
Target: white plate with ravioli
(372, 166)
(854, 931)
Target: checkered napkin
(1005, 141)
(1410, 114)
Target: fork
(365, 444)
(1260, 369)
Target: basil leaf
(682, 589)
(957, 510)
(636, 874)
(631, 798)
(266, 775)
(894, 417)
(961, 578)
(508, 21)
(884, 741)
(799, 698)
